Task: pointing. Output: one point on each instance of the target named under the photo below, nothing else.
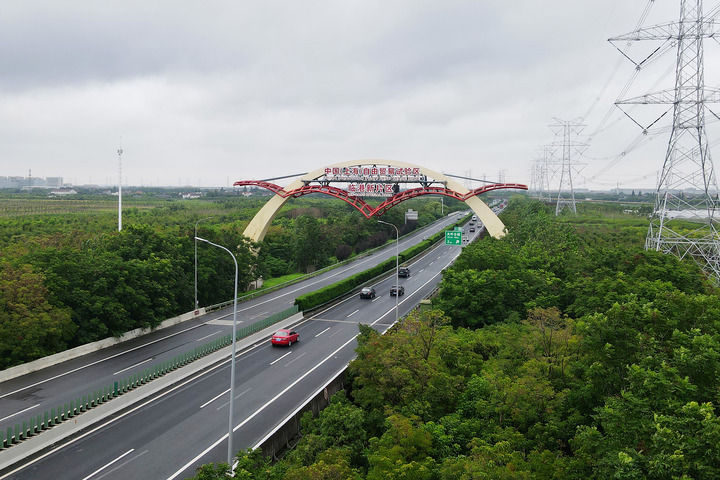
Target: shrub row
(319, 297)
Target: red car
(284, 337)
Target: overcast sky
(206, 93)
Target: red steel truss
(366, 209)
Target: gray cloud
(206, 92)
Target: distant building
(56, 182)
(12, 182)
(26, 183)
(191, 195)
(62, 191)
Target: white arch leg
(495, 226)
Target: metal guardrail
(37, 424)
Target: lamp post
(196, 239)
(232, 358)
(119, 152)
(397, 264)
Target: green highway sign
(453, 237)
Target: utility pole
(687, 187)
(119, 152)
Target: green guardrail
(37, 424)
(324, 295)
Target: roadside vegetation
(68, 277)
(563, 351)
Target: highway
(40, 391)
(170, 436)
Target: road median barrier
(322, 296)
(30, 429)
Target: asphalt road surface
(40, 391)
(171, 435)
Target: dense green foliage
(68, 277)
(322, 231)
(577, 355)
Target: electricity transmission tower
(539, 181)
(687, 187)
(535, 185)
(569, 148)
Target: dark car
(397, 290)
(284, 337)
(367, 292)
(404, 272)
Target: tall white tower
(119, 152)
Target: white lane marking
(277, 360)
(421, 270)
(214, 398)
(207, 336)
(107, 465)
(353, 313)
(305, 286)
(178, 386)
(328, 328)
(21, 411)
(224, 323)
(431, 263)
(182, 384)
(119, 466)
(376, 298)
(98, 361)
(350, 267)
(225, 404)
(258, 444)
(433, 249)
(291, 415)
(296, 358)
(133, 366)
(125, 414)
(259, 410)
(416, 290)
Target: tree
(406, 369)
(331, 464)
(309, 248)
(30, 327)
(402, 453)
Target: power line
(686, 187)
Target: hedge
(318, 297)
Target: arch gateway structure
(354, 180)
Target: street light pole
(119, 152)
(232, 358)
(196, 239)
(397, 264)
